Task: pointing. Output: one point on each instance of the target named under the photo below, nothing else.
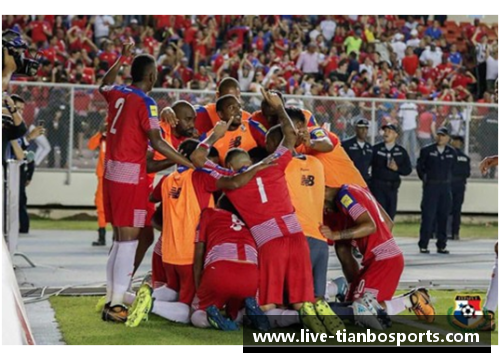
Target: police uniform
(360, 153)
(461, 173)
(385, 182)
(435, 169)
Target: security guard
(435, 168)
(461, 173)
(390, 162)
(359, 150)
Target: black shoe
(442, 251)
(101, 241)
(424, 251)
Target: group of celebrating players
(246, 218)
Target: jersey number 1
(119, 107)
(262, 190)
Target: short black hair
(232, 153)
(188, 146)
(257, 154)
(182, 104)
(227, 84)
(140, 66)
(295, 114)
(17, 98)
(213, 152)
(221, 102)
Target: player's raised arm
(110, 76)
(153, 165)
(199, 157)
(289, 131)
(159, 144)
(364, 226)
(241, 179)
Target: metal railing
(71, 114)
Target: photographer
(13, 126)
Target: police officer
(359, 150)
(390, 162)
(435, 167)
(461, 173)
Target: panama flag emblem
(467, 313)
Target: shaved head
(228, 86)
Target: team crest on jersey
(175, 192)
(153, 110)
(467, 313)
(346, 201)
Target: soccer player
(225, 270)
(182, 115)
(184, 194)
(133, 121)
(491, 303)
(266, 207)
(268, 118)
(207, 116)
(99, 141)
(244, 134)
(306, 184)
(370, 228)
(339, 170)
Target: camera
(16, 47)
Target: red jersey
(264, 203)
(226, 237)
(354, 201)
(410, 64)
(131, 114)
(38, 29)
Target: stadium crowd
(349, 56)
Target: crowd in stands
(349, 56)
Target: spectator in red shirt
(426, 130)
(40, 30)
(108, 55)
(183, 71)
(410, 62)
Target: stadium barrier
(71, 114)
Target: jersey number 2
(262, 190)
(119, 107)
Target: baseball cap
(443, 131)
(414, 32)
(362, 123)
(390, 126)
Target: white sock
(199, 319)
(173, 311)
(129, 298)
(165, 294)
(397, 305)
(331, 290)
(282, 317)
(491, 303)
(123, 269)
(109, 271)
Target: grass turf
(81, 325)
(467, 231)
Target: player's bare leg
(146, 239)
(350, 266)
(119, 271)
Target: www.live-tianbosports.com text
(305, 336)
